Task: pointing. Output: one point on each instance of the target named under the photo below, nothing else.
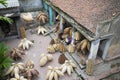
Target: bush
(5, 60)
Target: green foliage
(5, 61)
(5, 19)
(3, 2)
(8, 20)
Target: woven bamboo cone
(71, 48)
(62, 58)
(70, 33)
(62, 47)
(67, 30)
(23, 33)
(90, 66)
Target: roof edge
(88, 34)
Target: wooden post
(61, 24)
(107, 44)
(72, 36)
(94, 49)
(50, 15)
(54, 17)
(45, 6)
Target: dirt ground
(40, 46)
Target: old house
(99, 22)
(12, 11)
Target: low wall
(30, 5)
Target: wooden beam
(50, 31)
(78, 59)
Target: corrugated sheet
(11, 4)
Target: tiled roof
(89, 12)
(10, 4)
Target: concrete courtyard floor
(40, 46)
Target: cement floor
(40, 46)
